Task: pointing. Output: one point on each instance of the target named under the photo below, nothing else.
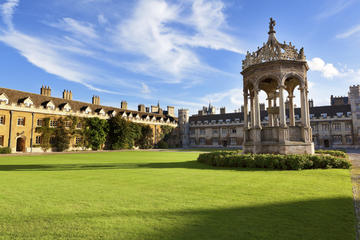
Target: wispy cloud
(7, 10)
(159, 40)
(349, 32)
(76, 27)
(151, 33)
(334, 8)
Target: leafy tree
(166, 136)
(120, 133)
(95, 133)
(146, 140)
(62, 136)
(46, 133)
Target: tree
(120, 133)
(146, 140)
(62, 136)
(46, 133)
(95, 133)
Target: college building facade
(22, 112)
(333, 126)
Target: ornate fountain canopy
(272, 50)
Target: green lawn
(168, 196)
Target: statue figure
(272, 25)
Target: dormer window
(100, 111)
(228, 120)
(206, 121)
(28, 102)
(324, 115)
(112, 113)
(66, 107)
(220, 121)
(348, 114)
(50, 105)
(4, 98)
(339, 114)
(213, 121)
(86, 109)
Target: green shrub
(336, 153)
(162, 145)
(5, 150)
(274, 161)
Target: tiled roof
(331, 111)
(38, 100)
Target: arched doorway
(326, 143)
(20, 144)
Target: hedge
(5, 150)
(335, 153)
(273, 161)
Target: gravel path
(355, 177)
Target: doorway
(326, 143)
(20, 144)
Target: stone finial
(271, 26)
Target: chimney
(141, 108)
(171, 111)
(154, 109)
(201, 112)
(311, 103)
(147, 109)
(222, 110)
(123, 105)
(45, 91)
(67, 95)
(96, 100)
(242, 108)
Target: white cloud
(76, 27)
(350, 32)
(102, 19)
(145, 88)
(7, 10)
(327, 69)
(334, 8)
(150, 33)
(235, 95)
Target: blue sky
(182, 53)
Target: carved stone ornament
(272, 50)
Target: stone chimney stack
(147, 109)
(96, 100)
(45, 91)
(311, 103)
(67, 95)
(141, 108)
(171, 111)
(124, 105)
(222, 110)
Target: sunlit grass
(167, 195)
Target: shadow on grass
(164, 165)
(320, 219)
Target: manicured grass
(168, 196)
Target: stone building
(335, 125)
(21, 112)
(278, 69)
